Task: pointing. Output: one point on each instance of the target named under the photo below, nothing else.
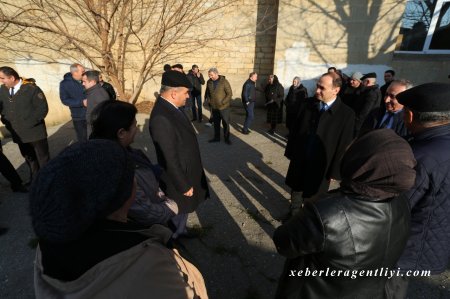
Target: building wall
(350, 35)
(252, 48)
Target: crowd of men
(387, 146)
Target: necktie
(386, 122)
(11, 94)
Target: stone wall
(251, 22)
(350, 35)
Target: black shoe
(19, 188)
(214, 140)
(271, 132)
(200, 120)
(245, 132)
(228, 141)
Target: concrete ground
(234, 250)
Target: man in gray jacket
(95, 94)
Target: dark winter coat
(178, 154)
(369, 99)
(351, 95)
(428, 247)
(376, 116)
(248, 94)
(274, 94)
(24, 113)
(316, 145)
(95, 95)
(364, 225)
(219, 97)
(110, 90)
(293, 100)
(196, 82)
(72, 95)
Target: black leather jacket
(342, 232)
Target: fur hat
(85, 182)
(175, 79)
(428, 97)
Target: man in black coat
(177, 150)
(392, 113)
(197, 80)
(322, 132)
(369, 99)
(427, 116)
(23, 107)
(108, 87)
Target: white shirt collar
(17, 86)
(168, 102)
(329, 103)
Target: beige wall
(235, 58)
(354, 36)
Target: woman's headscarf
(379, 165)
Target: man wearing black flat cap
(369, 99)
(427, 116)
(177, 149)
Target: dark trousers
(249, 115)
(80, 129)
(8, 171)
(36, 154)
(196, 100)
(224, 116)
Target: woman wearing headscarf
(353, 234)
(296, 95)
(88, 247)
(274, 93)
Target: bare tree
(119, 37)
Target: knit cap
(85, 182)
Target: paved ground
(234, 252)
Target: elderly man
(391, 115)
(322, 132)
(427, 116)
(369, 99)
(353, 90)
(95, 94)
(177, 150)
(23, 108)
(218, 94)
(72, 95)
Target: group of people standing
(392, 203)
(390, 211)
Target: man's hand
(190, 192)
(85, 102)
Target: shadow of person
(234, 250)
(17, 246)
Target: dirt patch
(145, 107)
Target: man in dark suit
(177, 150)
(391, 115)
(322, 132)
